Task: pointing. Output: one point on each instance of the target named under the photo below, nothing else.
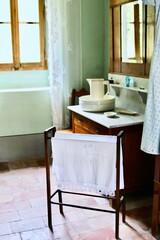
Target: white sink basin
(90, 105)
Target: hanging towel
(86, 162)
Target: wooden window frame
(17, 65)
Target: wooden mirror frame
(116, 64)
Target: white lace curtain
(64, 55)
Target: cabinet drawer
(78, 129)
(80, 121)
(85, 125)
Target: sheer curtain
(64, 55)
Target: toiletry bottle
(134, 83)
(127, 81)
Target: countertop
(119, 121)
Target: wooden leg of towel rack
(123, 211)
(117, 215)
(49, 204)
(60, 201)
(117, 226)
(47, 160)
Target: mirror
(132, 32)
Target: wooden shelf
(140, 91)
(137, 89)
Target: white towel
(86, 162)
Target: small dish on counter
(110, 114)
(127, 111)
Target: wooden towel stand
(119, 195)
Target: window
(22, 35)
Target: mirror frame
(116, 64)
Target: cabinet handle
(97, 131)
(80, 121)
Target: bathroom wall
(24, 114)
(95, 39)
(24, 102)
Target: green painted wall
(106, 38)
(95, 40)
(25, 110)
(23, 79)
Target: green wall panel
(94, 40)
(24, 112)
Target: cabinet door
(138, 166)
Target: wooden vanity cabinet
(138, 166)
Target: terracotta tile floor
(23, 211)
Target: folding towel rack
(119, 198)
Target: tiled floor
(23, 211)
